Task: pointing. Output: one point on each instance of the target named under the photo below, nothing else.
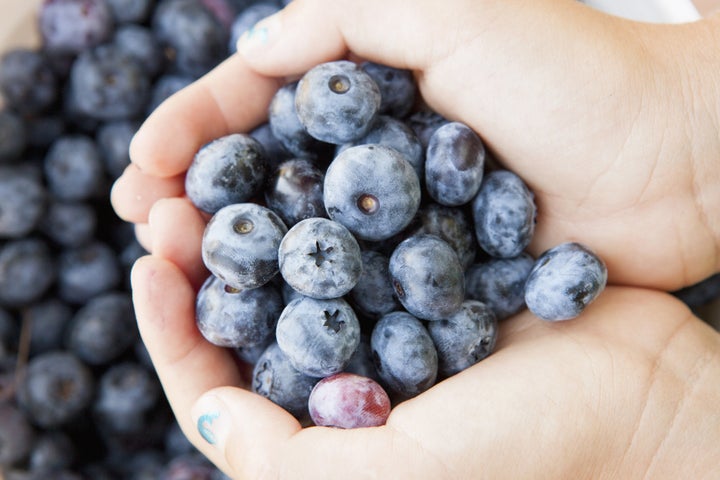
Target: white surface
(656, 11)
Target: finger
(258, 439)
(242, 429)
(306, 33)
(186, 363)
(500, 56)
(177, 228)
(143, 233)
(231, 98)
(135, 192)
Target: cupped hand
(627, 390)
(615, 130)
(612, 123)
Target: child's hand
(628, 390)
(614, 127)
(612, 123)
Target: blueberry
(27, 82)
(372, 190)
(130, 11)
(175, 441)
(74, 168)
(51, 452)
(320, 258)
(57, 387)
(16, 436)
(397, 88)
(190, 466)
(563, 281)
(240, 245)
(13, 136)
(192, 35)
(361, 363)
(108, 84)
(700, 293)
(427, 277)
(103, 328)
(71, 26)
(499, 283)
(27, 271)
(223, 11)
(230, 169)
(9, 334)
(87, 271)
(22, 202)
(275, 152)
(285, 124)
(237, 318)
(318, 336)
(144, 465)
(165, 86)
(404, 354)
(113, 139)
(69, 223)
(42, 130)
(346, 400)
(504, 214)
(373, 295)
(288, 292)
(337, 102)
(247, 18)
(454, 164)
(424, 123)
(126, 393)
(139, 43)
(250, 354)
(294, 191)
(276, 379)
(76, 120)
(47, 319)
(465, 337)
(453, 225)
(390, 132)
(42, 475)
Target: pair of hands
(613, 124)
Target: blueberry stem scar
(204, 426)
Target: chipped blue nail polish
(204, 426)
(258, 34)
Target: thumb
(242, 430)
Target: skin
(612, 123)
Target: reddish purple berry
(346, 400)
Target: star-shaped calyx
(320, 254)
(332, 321)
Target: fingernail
(259, 36)
(211, 420)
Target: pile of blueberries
(359, 242)
(79, 398)
(362, 246)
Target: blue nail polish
(204, 426)
(258, 34)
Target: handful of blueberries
(362, 249)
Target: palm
(605, 370)
(568, 105)
(603, 148)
